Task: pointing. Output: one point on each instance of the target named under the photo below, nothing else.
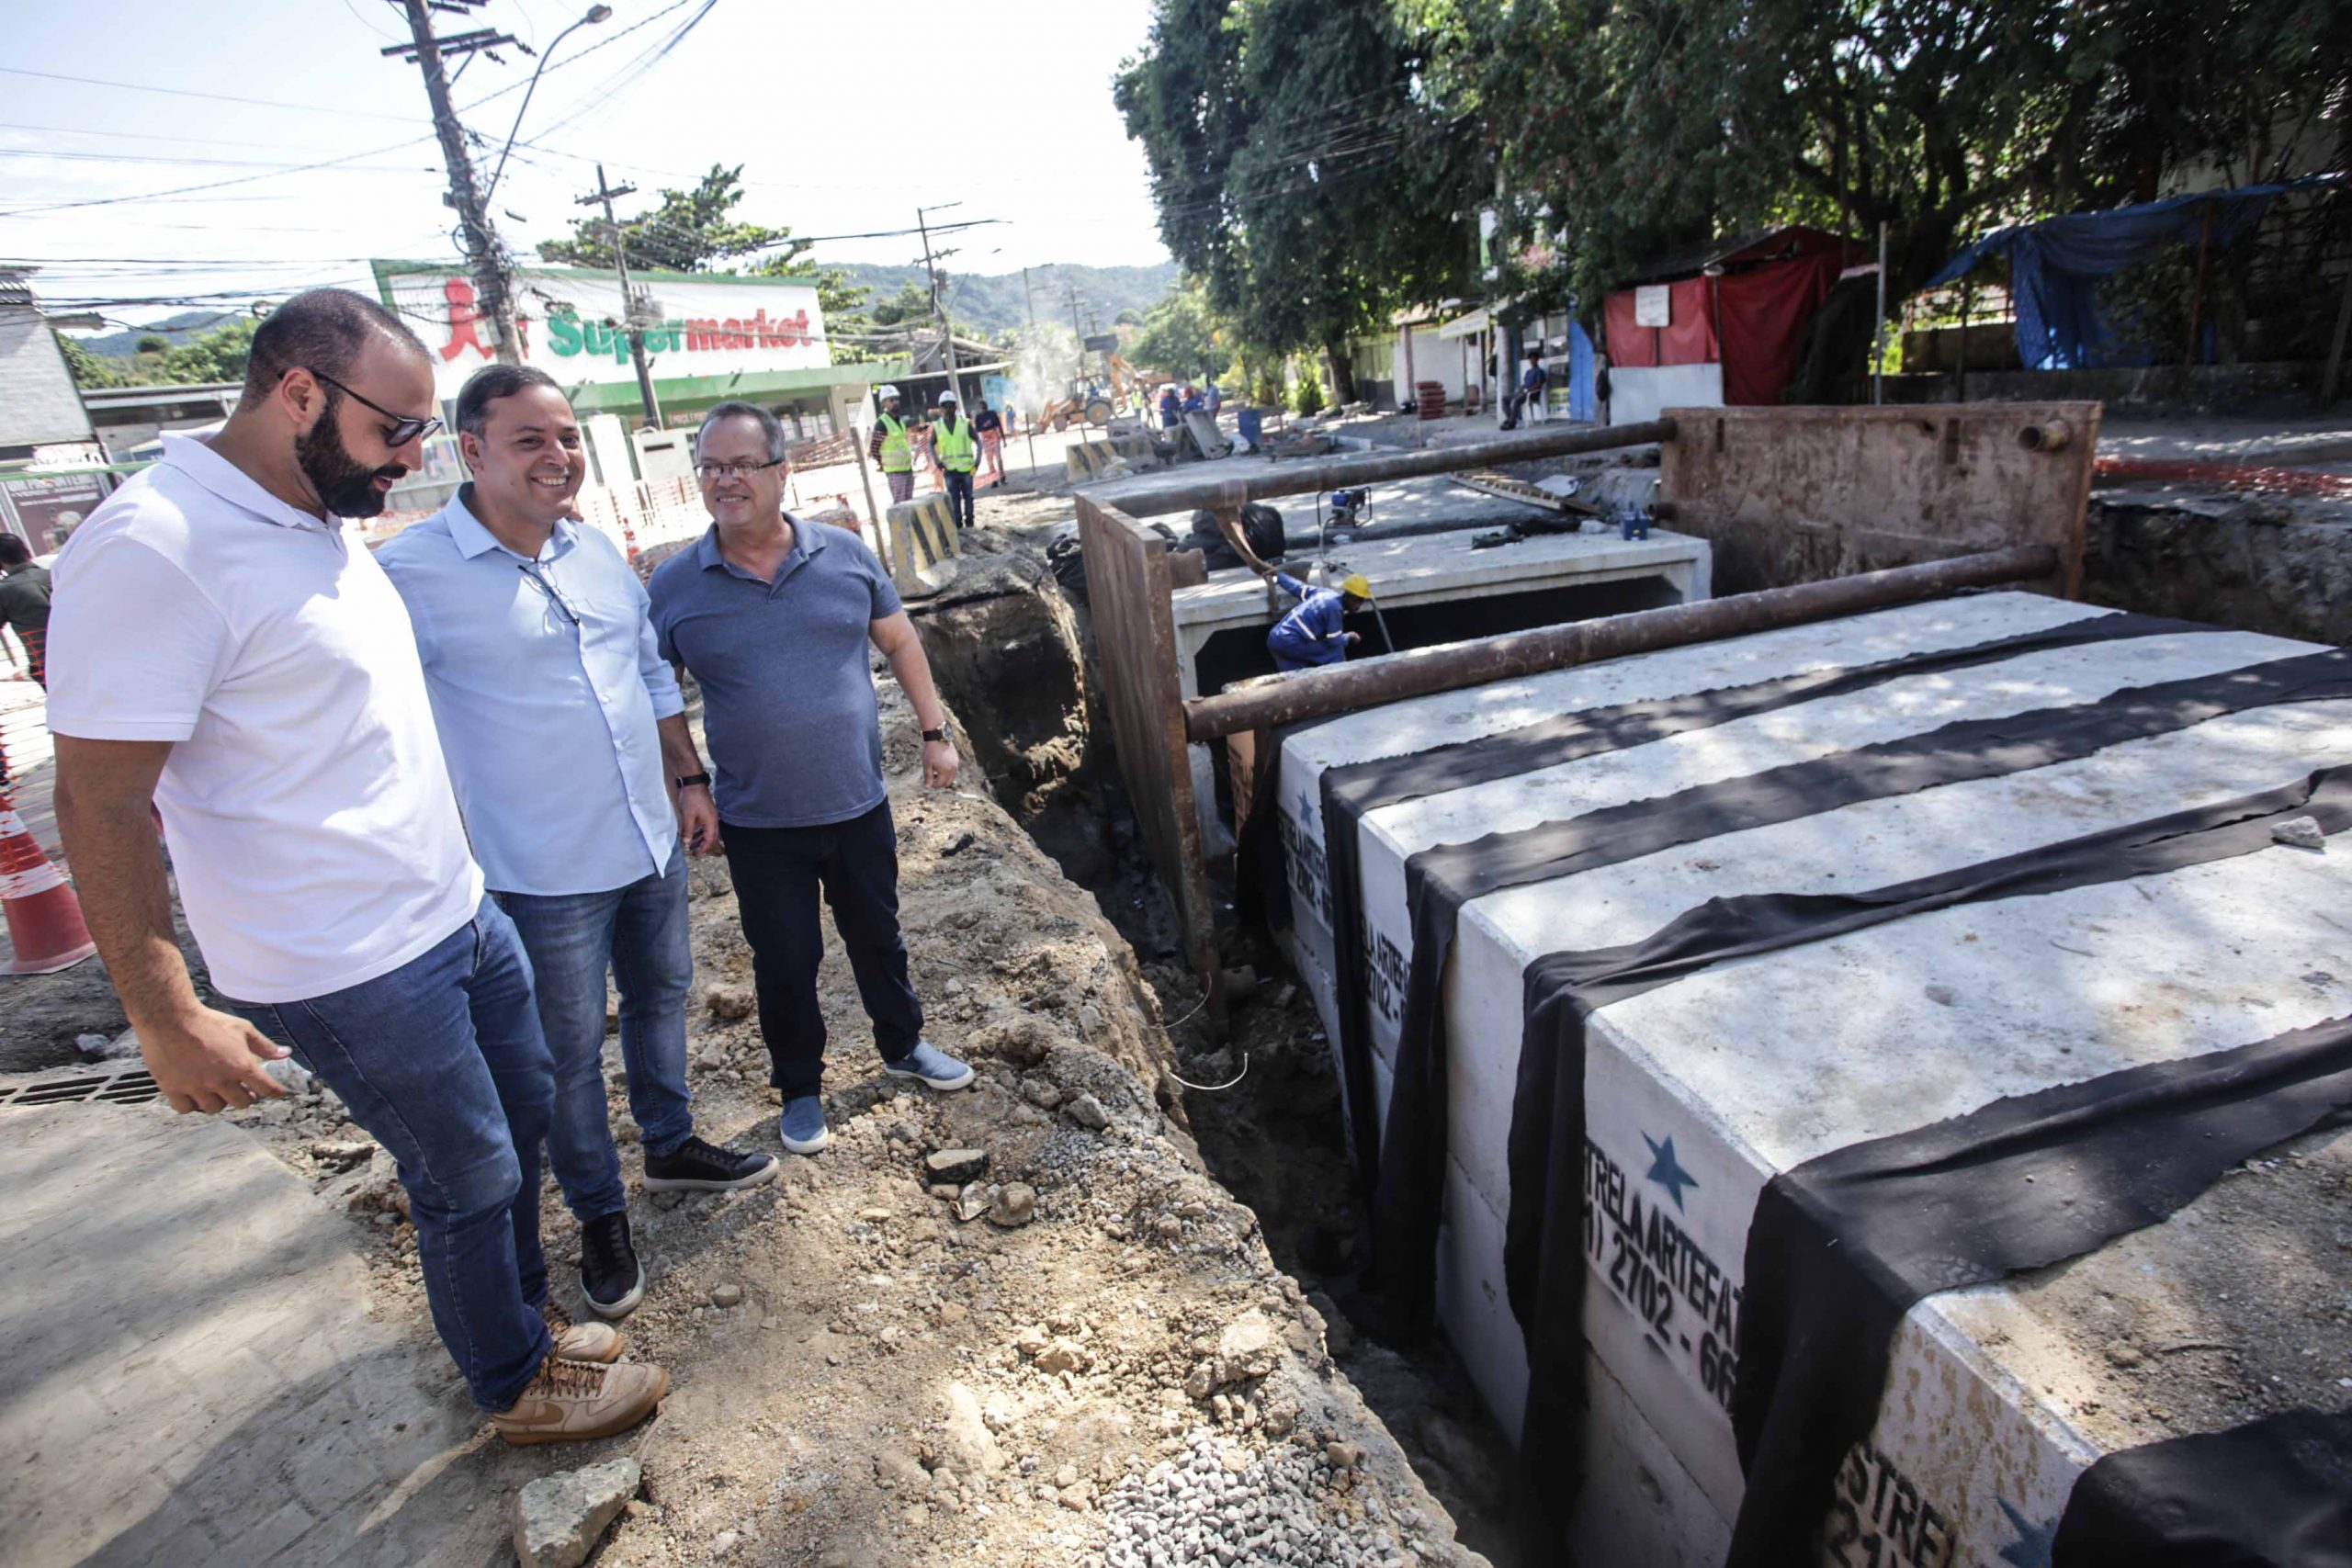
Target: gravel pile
(1281, 1506)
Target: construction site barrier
(1086, 460)
(43, 916)
(923, 545)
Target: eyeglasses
(706, 472)
(530, 570)
(406, 427)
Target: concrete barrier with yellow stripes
(923, 545)
(1086, 460)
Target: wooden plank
(1790, 495)
(1128, 582)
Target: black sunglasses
(406, 427)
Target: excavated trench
(1012, 649)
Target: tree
(217, 355)
(1300, 172)
(1182, 337)
(151, 343)
(1626, 130)
(90, 371)
(689, 231)
(912, 304)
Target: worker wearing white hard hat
(958, 450)
(892, 447)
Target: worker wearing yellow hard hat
(1313, 633)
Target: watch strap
(691, 779)
(939, 734)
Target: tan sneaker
(570, 1401)
(580, 1341)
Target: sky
(844, 117)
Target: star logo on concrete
(2031, 1548)
(1306, 806)
(1667, 1171)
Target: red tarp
(1688, 340)
(1764, 316)
(1759, 311)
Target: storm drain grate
(128, 1086)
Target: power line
(217, 97)
(345, 160)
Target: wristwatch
(939, 734)
(691, 779)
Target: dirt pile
(1001, 1355)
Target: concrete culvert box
(1742, 933)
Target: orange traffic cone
(44, 917)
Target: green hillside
(993, 303)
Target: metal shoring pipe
(1345, 688)
(1339, 473)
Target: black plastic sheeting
(2271, 1493)
(1543, 1258)
(1843, 1245)
(1438, 882)
(1351, 791)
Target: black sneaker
(610, 1276)
(697, 1167)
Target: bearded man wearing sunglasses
(220, 646)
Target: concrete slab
(193, 1377)
(1446, 568)
(1998, 1397)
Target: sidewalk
(192, 1376)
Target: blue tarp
(1580, 398)
(2055, 266)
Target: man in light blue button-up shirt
(557, 714)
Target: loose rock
(728, 1004)
(1015, 1205)
(1088, 1112)
(559, 1518)
(957, 1166)
(2301, 833)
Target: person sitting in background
(1312, 633)
(1193, 403)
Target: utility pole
(492, 296)
(930, 273)
(630, 324)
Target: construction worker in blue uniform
(1311, 633)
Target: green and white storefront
(708, 339)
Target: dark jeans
(443, 1062)
(639, 935)
(959, 495)
(778, 872)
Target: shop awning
(1464, 326)
(753, 386)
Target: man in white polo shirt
(220, 646)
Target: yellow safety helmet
(1356, 584)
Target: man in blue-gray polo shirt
(558, 715)
(773, 616)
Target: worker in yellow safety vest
(892, 446)
(957, 448)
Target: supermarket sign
(568, 322)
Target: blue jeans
(639, 934)
(959, 495)
(443, 1063)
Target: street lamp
(594, 14)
